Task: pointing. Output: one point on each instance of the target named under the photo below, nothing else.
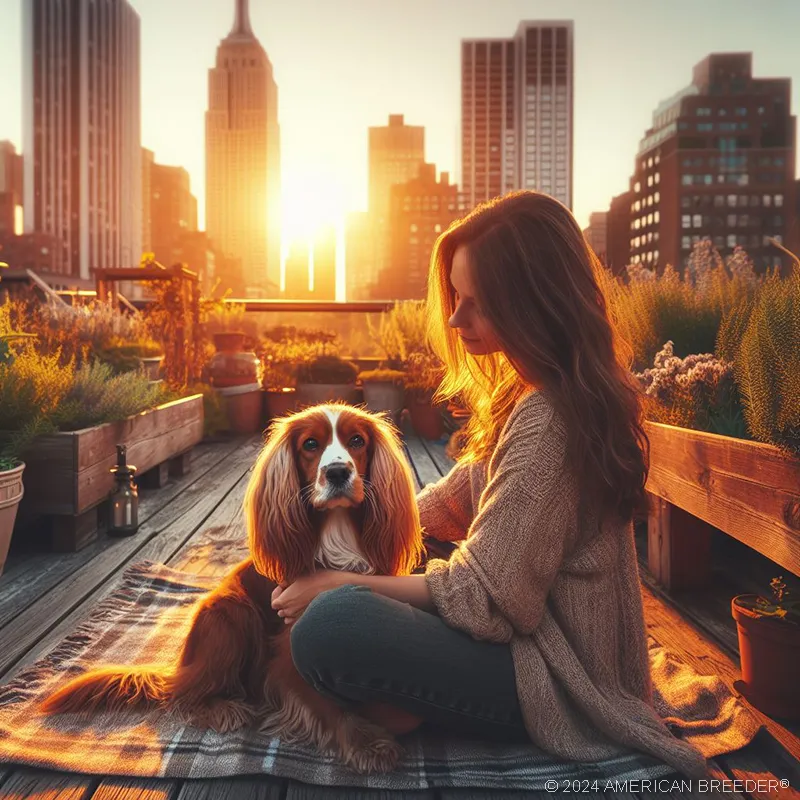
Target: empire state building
(243, 160)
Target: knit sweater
(534, 570)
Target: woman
(534, 627)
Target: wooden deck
(43, 596)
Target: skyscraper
(81, 131)
(324, 260)
(396, 153)
(517, 112)
(243, 157)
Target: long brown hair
(540, 286)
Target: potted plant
(11, 491)
(326, 378)
(769, 650)
(423, 375)
(11, 465)
(384, 390)
(151, 356)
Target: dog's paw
(368, 748)
(218, 714)
(380, 755)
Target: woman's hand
(290, 600)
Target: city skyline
(325, 112)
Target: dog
(331, 488)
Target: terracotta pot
(426, 418)
(769, 652)
(279, 402)
(310, 394)
(244, 405)
(11, 491)
(384, 396)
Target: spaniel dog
(331, 487)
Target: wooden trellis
(183, 340)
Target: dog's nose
(337, 474)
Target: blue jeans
(357, 647)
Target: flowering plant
(698, 392)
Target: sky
(343, 65)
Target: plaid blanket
(147, 617)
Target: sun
(310, 202)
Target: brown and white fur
(331, 488)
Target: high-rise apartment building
(618, 233)
(298, 272)
(359, 255)
(396, 153)
(243, 214)
(718, 162)
(148, 160)
(596, 233)
(421, 210)
(324, 263)
(517, 112)
(81, 132)
(173, 210)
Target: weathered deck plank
(50, 785)
(256, 788)
(34, 574)
(421, 462)
(116, 788)
(31, 635)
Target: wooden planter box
(67, 474)
(700, 481)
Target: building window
(686, 221)
(686, 202)
(637, 187)
(767, 200)
(686, 180)
(778, 200)
(708, 180)
(731, 220)
(657, 177)
(656, 216)
(697, 220)
(732, 200)
(731, 240)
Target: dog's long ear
(279, 531)
(391, 537)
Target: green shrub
(327, 369)
(767, 366)
(686, 309)
(97, 395)
(382, 376)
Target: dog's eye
(356, 441)
(310, 444)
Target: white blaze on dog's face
(332, 454)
